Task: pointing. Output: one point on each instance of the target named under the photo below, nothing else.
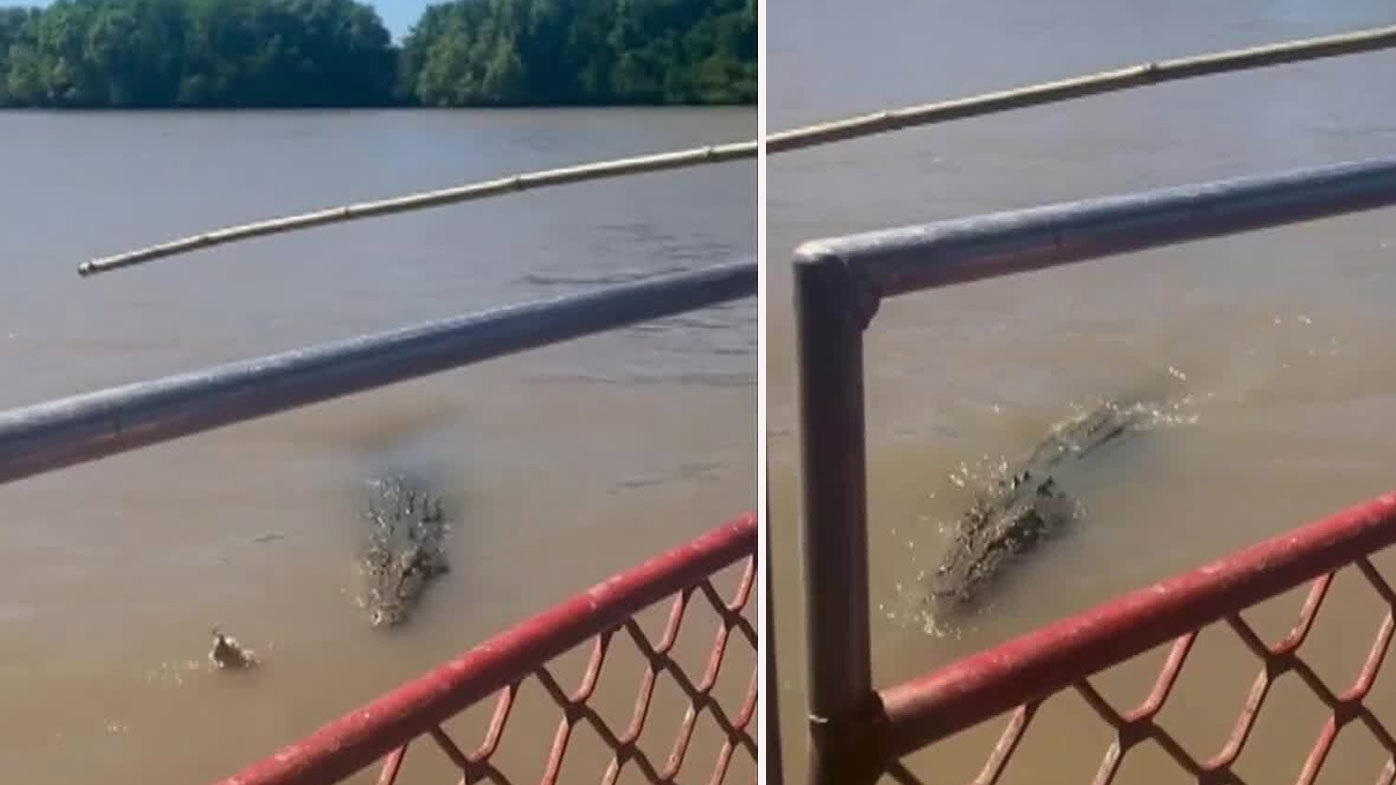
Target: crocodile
(1025, 505)
(405, 549)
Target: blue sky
(398, 15)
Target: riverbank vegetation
(303, 53)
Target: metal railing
(86, 427)
(383, 730)
(65, 432)
(856, 731)
(1020, 674)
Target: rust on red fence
(383, 729)
(1019, 675)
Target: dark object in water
(1018, 511)
(228, 654)
(407, 530)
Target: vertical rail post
(833, 307)
(774, 765)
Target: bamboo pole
(419, 201)
(1082, 86)
(794, 139)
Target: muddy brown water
(561, 465)
(1279, 343)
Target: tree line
(304, 53)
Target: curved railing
(858, 732)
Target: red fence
(384, 729)
(1019, 675)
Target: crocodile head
(1016, 511)
(405, 550)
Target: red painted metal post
(833, 308)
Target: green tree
(235, 53)
(140, 53)
(491, 52)
(17, 31)
(132, 52)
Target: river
(1276, 345)
(562, 465)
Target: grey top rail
(784, 141)
(83, 428)
(896, 261)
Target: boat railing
(62, 433)
(86, 427)
(860, 732)
(602, 618)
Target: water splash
(1015, 505)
